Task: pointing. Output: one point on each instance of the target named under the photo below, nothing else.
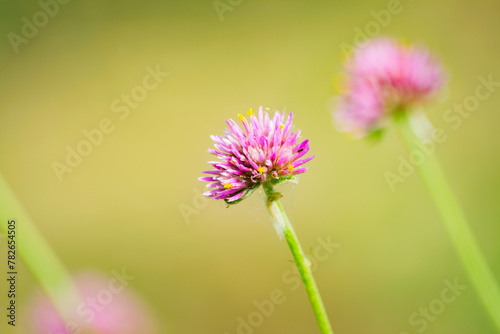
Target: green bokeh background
(121, 207)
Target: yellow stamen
(250, 112)
(261, 170)
(281, 126)
(240, 116)
(228, 186)
(291, 168)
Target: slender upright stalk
(456, 223)
(35, 252)
(303, 264)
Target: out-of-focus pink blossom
(384, 76)
(105, 306)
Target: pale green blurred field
(120, 208)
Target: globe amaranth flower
(382, 77)
(265, 150)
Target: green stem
(303, 264)
(35, 252)
(456, 223)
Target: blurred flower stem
(280, 219)
(35, 251)
(474, 262)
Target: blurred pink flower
(383, 76)
(105, 306)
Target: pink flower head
(105, 306)
(265, 151)
(384, 76)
